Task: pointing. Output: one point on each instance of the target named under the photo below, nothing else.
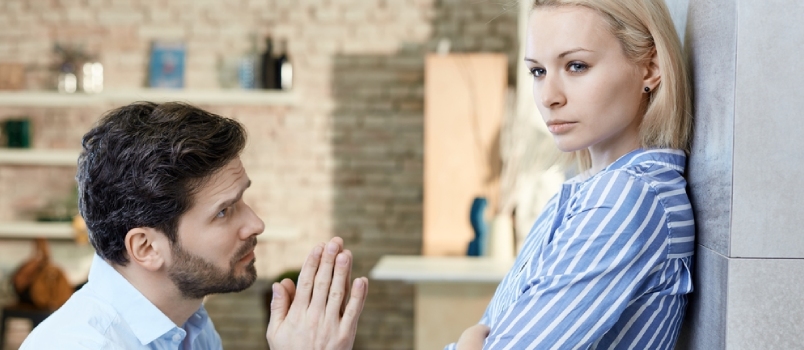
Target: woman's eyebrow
(578, 49)
(561, 55)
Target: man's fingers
(323, 277)
(343, 264)
(307, 277)
(290, 287)
(338, 241)
(346, 286)
(355, 305)
(280, 302)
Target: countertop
(456, 269)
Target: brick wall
(347, 160)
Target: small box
(166, 68)
(12, 76)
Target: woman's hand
(313, 316)
(473, 337)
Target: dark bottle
(267, 65)
(283, 69)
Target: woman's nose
(550, 92)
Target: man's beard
(195, 277)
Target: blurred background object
(12, 76)
(17, 132)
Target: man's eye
(222, 213)
(577, 67)
(537, 72)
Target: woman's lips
(557, 128)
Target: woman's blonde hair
(643, 26)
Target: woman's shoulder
(630, 183)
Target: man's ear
(147, 247)
(651, 72)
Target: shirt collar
(673, 158)
(146, 321)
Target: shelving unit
(69, 157)
(119, 97)
(27, 230)
(45, 157)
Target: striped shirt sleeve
(600, 256)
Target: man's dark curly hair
(141, 165)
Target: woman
(607, 264)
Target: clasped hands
(320, 313)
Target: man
(160, 188)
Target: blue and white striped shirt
(607, 264)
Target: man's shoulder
(82, 322)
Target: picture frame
(167, 64)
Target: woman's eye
(537, 72)
(577, 67)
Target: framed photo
(166, 68)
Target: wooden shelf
(23, 229)
(39, 157)
(120, 97)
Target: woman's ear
(147, 247)
(651, 72)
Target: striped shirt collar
(673, 158)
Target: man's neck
(160, 291)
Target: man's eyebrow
(234, 200)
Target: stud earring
(647, 89)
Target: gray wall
(744, 172)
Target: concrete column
(745, 172)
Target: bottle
(284, 69)
(68, 81)
(92, 81)
(267, 63)
(248, 69)
(478, 246)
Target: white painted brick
(355, 16)
(6, 49)
(70, 3)
(162, 32)
(96, 3)
(47, 17)
(120, 17)
(160, 15)
(79, 15)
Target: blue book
(166, 69)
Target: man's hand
(315, 319)
(473, 337)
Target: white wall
(743, 173)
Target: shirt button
(177, 337)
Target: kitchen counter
(452, 292)
(418, 269)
